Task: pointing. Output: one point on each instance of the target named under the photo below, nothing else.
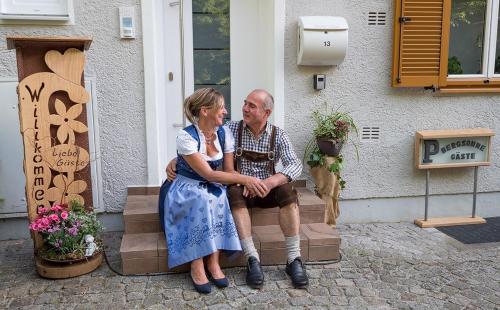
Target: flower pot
(44, 254)
(329, 146)
(52, 270)
(66, 266)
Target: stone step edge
(269, 254)
(257, 232)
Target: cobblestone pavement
(384, 266)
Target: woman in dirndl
(194, 207)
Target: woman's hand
(171, 170)
(256, 186)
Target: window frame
(412, 17)
(489, 49)
(12, 13)
(494, 35)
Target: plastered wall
(361, 85)
(117, 66)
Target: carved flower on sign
(65, 119)
(66, 189)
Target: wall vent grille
(370, 133)
(376, 18)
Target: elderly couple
(195, 208)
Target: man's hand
(246, 193)
(263, 192)
(254, 187)
(171, 170)
(269, 185)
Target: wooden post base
(449, 221)
(59, 271)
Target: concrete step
(147, 252)
(141, 212)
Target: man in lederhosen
(259, 146)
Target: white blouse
(187, 145)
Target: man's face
(253, 109)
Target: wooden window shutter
(421, 37)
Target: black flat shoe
(201, 288)
(297, 271)
(220, 283)
(255, 276)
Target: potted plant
(70, 233)
(329, 135)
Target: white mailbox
(322, 40)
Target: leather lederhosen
(255, 156)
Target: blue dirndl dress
(195, 213)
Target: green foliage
(454, 66)
(333, 124)
(317, 158)
(467, 11)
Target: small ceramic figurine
(91, 245)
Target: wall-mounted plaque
(453, 148)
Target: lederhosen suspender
(255, 156)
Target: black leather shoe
(297, 271)
(255, 276)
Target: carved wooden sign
(52, 161)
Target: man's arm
(276, 180)
(292, 166)
(171, 169)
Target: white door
(229, 45)
(12, 180)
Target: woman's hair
(203, 97)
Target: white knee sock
(293, 247)
(249, 248)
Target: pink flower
(45, 221)
(54, 218)
(42, 210)
(64, 215)
(58, 207)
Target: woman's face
(216, 115)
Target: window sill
(469, 90)
(471, 85)
(482, 81)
